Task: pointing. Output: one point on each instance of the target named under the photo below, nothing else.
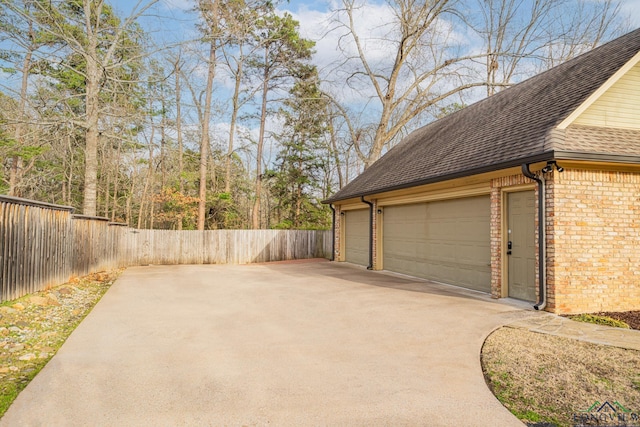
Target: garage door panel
(408, 251)
(471, 231)
(446, 241)
(441, 251)
(357, 236)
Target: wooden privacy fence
(142, 247)
(96, 244)
(43, 245)
(37, 246)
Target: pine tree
(298, 178)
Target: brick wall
(593, 252)
(336, 237)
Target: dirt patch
(34, 327)
(548, 380)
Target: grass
(34, 327)
(548, 380)
(599, 320)
(12, 385)
(11, 389)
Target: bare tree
(177, 71)
(240, 17)
(417, 61)
(542, 33)
(423, 69)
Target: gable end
(616, 104)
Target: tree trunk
(204, 142)
(128, 217)
(17, 163)
(179, 132)
(179, 135)
(232, 127)
(149, 181)
(107, 197)
(163, 136)
(69, 175)
(336, 155)
(381, 135)
(115, 183)
(94, 76)
(263, 120)
(14, 174)
(296, 221)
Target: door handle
(509, 246)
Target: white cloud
(373, 24)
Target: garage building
(532, 193)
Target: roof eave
(546, 156)
(598, 157)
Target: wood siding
(44, 245)
(618, 107)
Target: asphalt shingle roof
(504, 130)
(588, 139)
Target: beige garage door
(446, 241)
(356, 235)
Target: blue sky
(169, 22)
(629, 8)
(172, 23)
(314, 17)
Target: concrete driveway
(301, 343)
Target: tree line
(237, 124)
